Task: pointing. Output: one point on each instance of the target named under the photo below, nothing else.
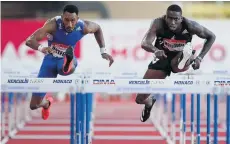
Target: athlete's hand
(108, 57)
(160, 54)
(196, 63)
(47, 50)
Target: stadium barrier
(13, 96)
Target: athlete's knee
(140, 98)
(35, 102)
(33, 107)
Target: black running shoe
(147, 111)
(68, 58)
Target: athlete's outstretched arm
(150, 36)
(91, 27)
(203, 33)
(39, 34)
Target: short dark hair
(175, 8)
(70, 9)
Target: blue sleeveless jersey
(61, 40)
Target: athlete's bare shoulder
(197, 29)
(157, 24)
(50, 25)
(90, 27)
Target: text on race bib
(174, 45)
(59, 49)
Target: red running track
(114, 123)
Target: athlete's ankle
(148, 102)
(148, 105)
(46, 106)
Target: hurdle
(81, 106)
(15, 114)
(81, 117)
(212, 135)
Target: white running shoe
(187, 53)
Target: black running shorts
(163, 64)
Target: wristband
(40, 48)
(103, 50)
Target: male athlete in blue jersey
(63, 33)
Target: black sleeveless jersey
(169, 41)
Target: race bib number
(174, 45)
(59, 49)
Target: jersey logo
(78, 29)
(174, 45)
(185, 31)
(59, 49)
(60, 26)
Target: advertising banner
(123, 40)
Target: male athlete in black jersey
(173, 50)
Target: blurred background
(124, 25)
(114, 9)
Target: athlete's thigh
(159, 69)
(155, 74)
(156, 70)
(61, 65)
(47, 70)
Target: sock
(149, 102)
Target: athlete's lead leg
(68, 64)
(68, 61)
